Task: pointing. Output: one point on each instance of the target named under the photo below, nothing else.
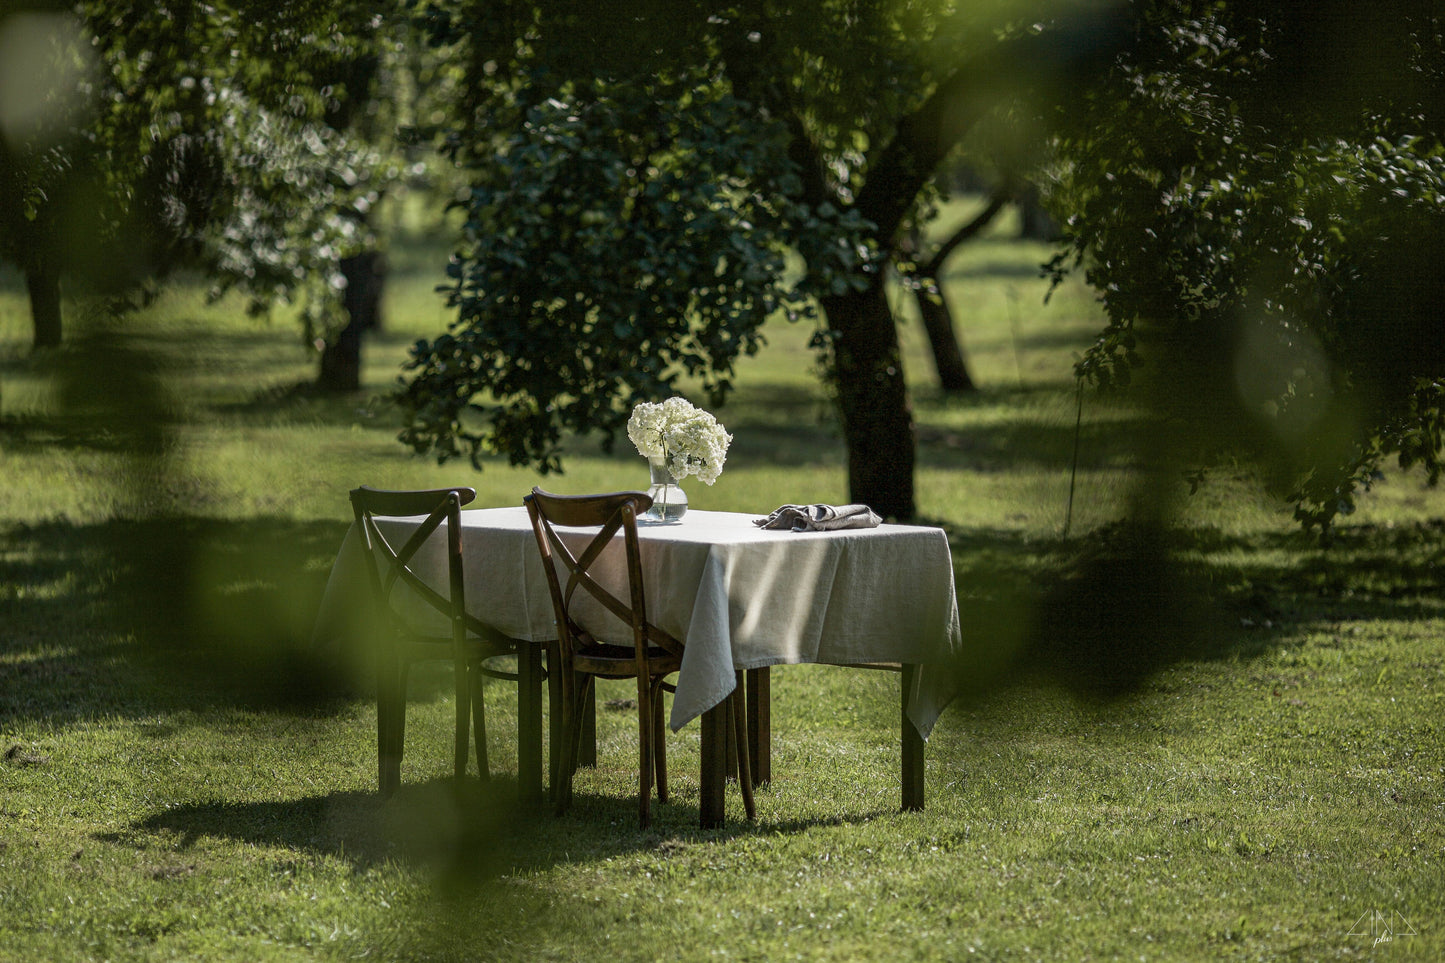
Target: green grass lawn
(178, 781)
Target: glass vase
(669, 501)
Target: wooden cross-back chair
(652, 655)
(408, 608)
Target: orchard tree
(653, 180)
(45, 162)
(151, 135)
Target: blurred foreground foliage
(242, 139)
(1258, 194)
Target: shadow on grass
(288, 402)
(460, 834)
(1103, 614)
(29, 432)
(1024, 443)
(259, 377)
(465, 837)
(128, 617)
(791, 426)
(245, 356)
(1099, 616)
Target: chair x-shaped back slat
(579, 576)
(398, 562)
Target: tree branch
(1043, 65)
(1001, 197)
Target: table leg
(760, 732)
(732, 750)
(713, 778)
(529, 721)
(912, 747)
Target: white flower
(690, 440)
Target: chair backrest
(389, 565)
(609, 513)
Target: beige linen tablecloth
(739, 596)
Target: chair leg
(731, 748)
(461, 750)
(555, 723)
(575, 697)
(391, 724)
(659, 741)
(398, 720)
(388, 761)
(529, 724)
(479, 723)
(567, 763)
(740, 742)
(580, 711)
(587, 750)
(644, 750)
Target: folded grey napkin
(820, 518)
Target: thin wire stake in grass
(1074, 465)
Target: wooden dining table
(743, 599)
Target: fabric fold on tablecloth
(820, 518)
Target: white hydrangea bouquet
(687, 439)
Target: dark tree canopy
(624, 235)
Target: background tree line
(1254, 188)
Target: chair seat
(620, 661)
(612, 668)
(478, 648)
(484, 646)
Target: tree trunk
(42, 281)
(341, 357)
(1035, 223)
(873, 402)
(868, 372)
(948, 360)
